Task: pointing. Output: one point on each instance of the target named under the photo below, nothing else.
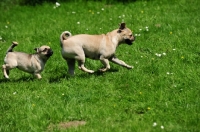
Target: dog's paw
(129, 67)
(103, 69)
(91, 71)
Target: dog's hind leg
(5, 71)
(82, 67)
(71, 66)
(105, 62)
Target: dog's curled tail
(64, 36)
(10, 49)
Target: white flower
(57, 4)
(162, 127)
(102, 9)
(140, 29)
(174, 49)
(169, 73)
(146, 27)
(14, 93)
(78, 22)
(73, 12)
(123, 15)
(159, 55)
(98, 12)
(119, 16)
(154, 124)
(164, 53)
(6, 26)
(0, 38)
(138, 34)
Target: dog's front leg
(120, 62)
(37, 75)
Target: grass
(163, 87)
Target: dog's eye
(45, 50)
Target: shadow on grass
(58, 78)
(22, 79)
(98, 73)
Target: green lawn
(161, 93)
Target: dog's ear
(36, 49)
(122, 26)
(119, 31)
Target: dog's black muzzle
(49, 53)
(130, 41)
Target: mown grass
(162, 88)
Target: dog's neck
(39, 58)
(116, 40)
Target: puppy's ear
(119, 31)
(122, 26)
(36, 49)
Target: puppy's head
(44, 51)
(126, 34)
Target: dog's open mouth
(128, 41)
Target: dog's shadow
(22, 79)
(58, 78)
(66, 76)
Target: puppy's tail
(10, 49)
(64, 36)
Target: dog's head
(126, 34)
(44, 51)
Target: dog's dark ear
(119, 31)
(36, 49)
(122, 26)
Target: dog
(31, 63)
(97, 47)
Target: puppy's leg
(9, 64)
(105, 62)
(37, 75)
(5, 70)
(71, 66)
(120, 62)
